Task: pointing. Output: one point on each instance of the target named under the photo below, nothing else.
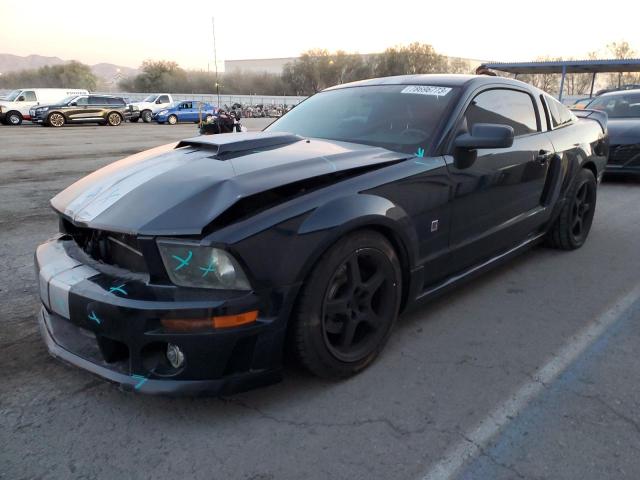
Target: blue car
(185, 111)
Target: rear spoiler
(597, 115)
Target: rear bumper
(120, 337)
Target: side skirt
(455, 280)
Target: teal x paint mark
(119, 289)
(184, 262)
(420, 152)
(209, 268)
(141, 381)
(93, 317)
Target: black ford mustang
(190, 267)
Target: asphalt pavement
(530, 371)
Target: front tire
(56, 119)
(347, 308)
(146, 116)
(572, 226)
(172, 119)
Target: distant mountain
(108, 72)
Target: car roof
(620, 92)
(440, 80)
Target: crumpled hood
(624, 131)
(179, 191)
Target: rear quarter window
(560, 115)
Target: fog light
(175, 355)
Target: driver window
(163, 99)
(29, 96)
(82, 101)
(503, 107)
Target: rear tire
(348, 306)
(13, 118)
(114, 119)
(146, 116)
(572, 226)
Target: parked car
(101, 109)
(186, 111)
(152, 104)
(15, 107)
(630, 86)
(192, 266)
(581, 103)
(623, 110)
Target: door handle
(544, 156)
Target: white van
(15, 106)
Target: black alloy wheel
(348, 306)
(357, 304)
(573, 224)
(582, 211)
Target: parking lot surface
(530, 371)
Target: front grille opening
(628, 155)
(110, 248)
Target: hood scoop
(229, 143)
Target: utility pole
(215, 58)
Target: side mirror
(486, 135)
(73, 104)
(20, 98)
(158, 102)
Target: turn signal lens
(195, 324)
(227, 321)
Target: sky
(128, 32)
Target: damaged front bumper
(113, 328)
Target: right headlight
(191, 265)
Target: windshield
(150, 98)
(618, 105)
(67, 100)
(397, 117)
(13, 95)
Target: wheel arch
(346, 215)
(590, 165)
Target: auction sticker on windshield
(426, 90)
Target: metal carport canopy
(569, 66)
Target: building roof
(568, 66)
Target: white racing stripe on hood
(106, 192)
